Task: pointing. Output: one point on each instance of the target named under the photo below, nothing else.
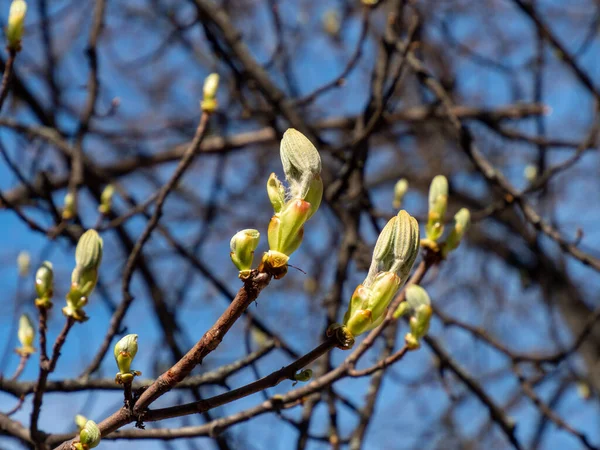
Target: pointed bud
(70, 208)
(23, 263)
(242, 245)
(462, 221)
(26, 335)
(400, 190)
(211, 85)
(438, 202)
(301, 162)
(16, 24)
(124, 351)
(80, 421)
(89, 436)
(106, 199)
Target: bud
(23, 263)
(416, 297)
(44, 285)
(70, 208)
(331, 23)
(26, 336)
(462, 220)
(80, 421)
(125, 350)
(88, 253)
(314, 195)
(400, 190)
(286, 229)
(89, 436)
(106, 199)
(419, 304)
(275, 263)
(88, 256)
(303, 375)
(531, 173)
(419, 323)
(242, 245)
(16, 21)
(383, 290)
(406, 244)
(209, 102)
(301, 162)
(276, 193)
(438, 201)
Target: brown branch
(7, 76)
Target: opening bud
(400, 189)
(438, 202)
(26, 335)
(16, 24)
(89, 436)
(124, 351)
(419, 305)
(106, 199)
(23, 263)
(462, 221)
(286, 229)
(301, 162)
(211, 85)
(242, 245)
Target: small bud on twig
(26, 336)
(242, 245)
(124, 351)
(16, 24)
(44, 285)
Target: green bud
(106, 199)
(23, 263)
(438, 202)
(89, 436)
(419, 323)
(303, 375)
(406, 244)
(400, 190)
(359, 322)
(124, 351)
(301, 162)
(26, 335)
(314, 194)
(383, 252)
(16, 24)
(358, 302)
(416, 297)
(70, 208)
(211, 85)
(80, 421)
(286, 229)
(276, 193)
(88, 253)
(383, 290)
(531, 173)
(462, 221)
(242, 245)
(44, 285)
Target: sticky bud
(438, 202)
(16, 24)
(89, 436)
(462, 221)
(400, 189)
(88, 253)
(26, 336)
(44, 285)
(124, 351)
(23, 263)
(242, 245)
(70, 207)
(106, 199)
(211, 85)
